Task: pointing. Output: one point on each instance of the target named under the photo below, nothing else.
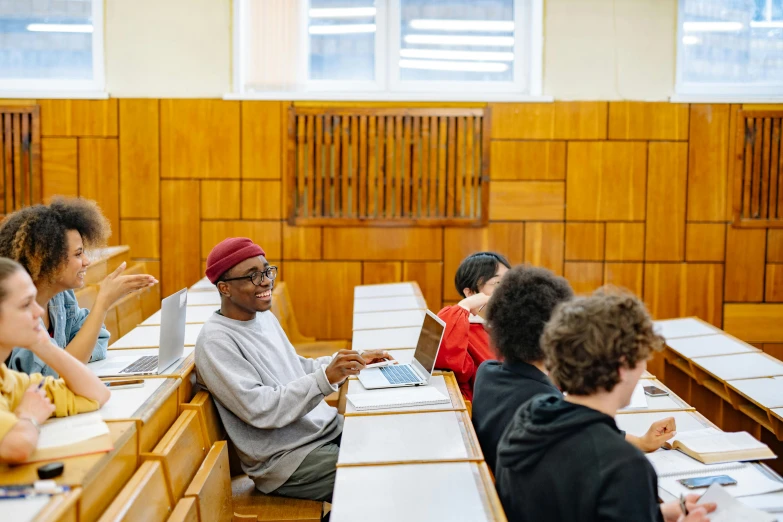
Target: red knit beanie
(229, 253)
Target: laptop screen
(429, 340)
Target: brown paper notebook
(712, 446)
(71, 437)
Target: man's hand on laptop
(344, 364)
(375, 356)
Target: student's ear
(222, 287)
(467, 291)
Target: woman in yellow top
(26, 401)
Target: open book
(397, 398)
(712, 446)
(72, 436)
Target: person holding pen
(26, 401)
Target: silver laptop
(419, 371)
(172, 344)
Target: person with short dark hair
(563, 459)
(465, 344)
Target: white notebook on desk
(396, 398)
(729, 509)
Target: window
(389, 46)
(48, 45)
(730, 47)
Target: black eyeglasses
(258, 277)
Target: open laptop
(172, 344)
(419, 371)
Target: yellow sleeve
(12, 386)
(65, 401)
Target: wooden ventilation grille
(21, 157)
(757, 195)
(387, 166)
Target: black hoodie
(562, 462)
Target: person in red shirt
(465, 343)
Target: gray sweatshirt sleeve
(311, 365)
(236, 384)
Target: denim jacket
(66, 319)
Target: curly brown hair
(589, 339)
(36, 236)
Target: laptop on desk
(419, 371)
(172, 344)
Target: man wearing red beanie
(270, 399)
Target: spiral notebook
(397, 398)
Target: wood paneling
(59, 165)
(775, 245)
(507, 239)
(584, 241)
(267, 234)
(220, 199)
(745, 264)
(625, 275)
(79, 117)
(199, 139)
(774, 279)
(680, 289)
(410, 244)
(545, 245)
(648, 121)
(262, 139)
(667, 180)
(378, 272)
(605, 181)
(261, 200)
(312, 284)
(625, 241)
(180, 247)
(546, 121)
(584, 277)
(142, 236)
(99, 178)
(774, 349)
(707, 158)
(528, 160)
(754, 323)
(429, 277)
(139, 159)
(580, 120)
(526, 200)
(302, 242)
(705, 242)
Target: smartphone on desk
(124, 383)
(654, 391)
(705, 482)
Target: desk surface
(444, 383)
(638, 423)
(202, 284)
(386, 338)
(386, 290)
(24, 509)
(670, 402)
(180, 369)
(456, 491)
(149, 337)
(708, 346)
(398, 319)
(685, 327)
(778, 412)
(742, 366)
(138, 403)
(193, 315)
(203, 298)
(766, 392)
(388, 304)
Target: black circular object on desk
(50, 471)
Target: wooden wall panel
(262, 200)
(312, 284)
(705, 242)
(745, 264)
(584, 241)
(263, 134)
(547, 121)
(267, 234)
(648, 121)
(580, 120)
(775, 245)
(663, 284)
(625, 241)
(754, 323)
(667, 179)
(99, 178)
(199, 139)
(429, 277)
(220, 199)
(378, 272)
(59, 164)
(707, 162)
(774, 284)
(606, 181)
(681, 290)
(79, 117)
(410, 244)
(625, 275)
(142, 236)
(302, 242)
(180, 246)
(545, 245)
(507, 239)
(585, 278)
(139, 159)
(526, 200)
(774, 349)
(528, 160)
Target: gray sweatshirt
(270, 399)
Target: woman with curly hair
(50, 242)
(465, 344)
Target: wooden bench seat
(251, 504)
(145, 497)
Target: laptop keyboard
(399, 374)
(148, 363)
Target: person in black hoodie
(516, 314)
(563, 459)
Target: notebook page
(70, 430)
(719, 442)
(668, 463)
(750, 481)
(771, 502)
(390, 398)
(730, 509)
